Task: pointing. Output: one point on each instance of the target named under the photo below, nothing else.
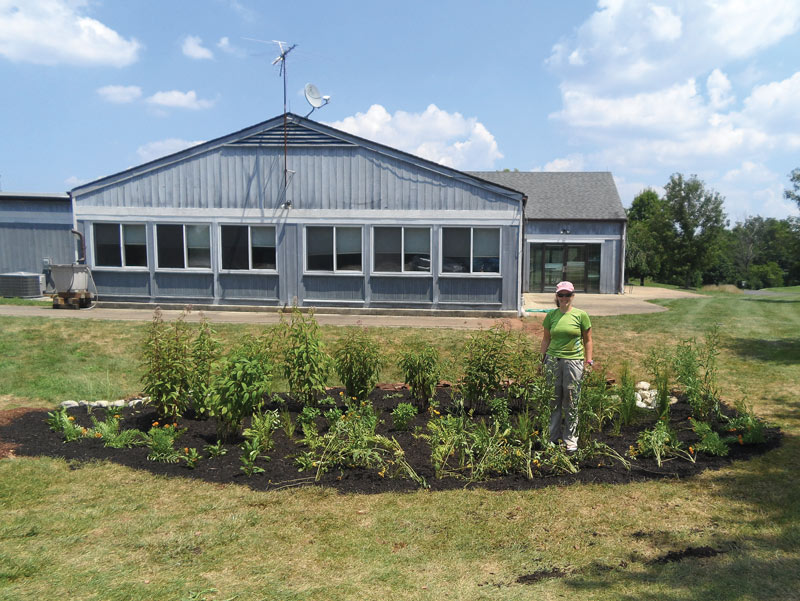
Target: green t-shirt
(566, 331)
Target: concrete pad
(633, 301)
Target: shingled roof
(563, 195)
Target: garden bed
(26, 432)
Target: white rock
(643, 386)
(642, 404)
(69, 404)
(119, 403)
(135, 403)
(638, 396)
(673, 400)
(101, 404)
(83, 403)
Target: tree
(794, 195)
(698, 222)
(649, 229)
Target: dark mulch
(25, 432)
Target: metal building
(343, 222)
(35, 228)
(575, 228)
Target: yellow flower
(71, 418)
(116, 416)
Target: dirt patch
(688, 552)
(25, 432)
(540, 575)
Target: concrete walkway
(634, 301)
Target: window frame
(123, 266)
(335, 271)
(250, 268)
(471, 273)
(403, 272)
(185, 267)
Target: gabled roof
(299, 132)
(563, 195)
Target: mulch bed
(25, 433)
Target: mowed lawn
(101, 531)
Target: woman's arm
(545, 341)
(587, 345)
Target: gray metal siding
(333, 288)
(23, 246)
(184, 285)
(401, 289)
(257, 287)
(576, 228)
(346, 178)
(469, 291)
(118, 283)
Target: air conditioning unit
(22, 284)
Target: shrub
(659, 363)
(205, 353)
(167, 367)
(244, 380)
(358, 362)
(662, 443)
(421, 371)
(60, 421)
(596, 406)
(306, 364)
(710, 442)
(500, 413)
(485, 365)
(626, 391)
(262, 427)
(161, 442)
(527, 381)
(746, 426)
(402, 415)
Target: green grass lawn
(102, 531)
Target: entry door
(553, 263)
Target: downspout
(622, 259)
(521, 260)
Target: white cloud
(54, 32)
(225, 45)
(446, 138)
(177, 99)
(742, 27)
(192, 47)
(160, 148)
(719, 90)
(74, 181)
(664, 24)
(120, 94)
(573, 162)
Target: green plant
(527, 382)
(306, 364)
(289, 425)
(596, 406)
(161, 442)
(215, 450)
(402, 415)
(748, 428)
(449, 439)
(485, 365)
(191, 457)
(109, 431)
(659, 363)
(166, 362)
(261, 428)
(710, 441)
(501, 414)
(421, 369)
(626, 392)
(662, 443)
(251, 452)
(60, 421)
(243, 382)
(205, 354)
(358, 362)
(594, 449)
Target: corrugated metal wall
(32, 230)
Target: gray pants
(565, 375)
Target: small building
(302, 214)
(575, 228)
(34, 229)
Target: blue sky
(642, 89)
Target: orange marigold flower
(741, 440)
(71, 418)
(98, 435)
(155, 424)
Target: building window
(470, 250)
(120, 245)
(183, 246)
(333, 248)
(401, 249)
(248, 247)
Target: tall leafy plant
(306, 364)
(421, 369)
(358, 362)
(485, 365)
(205, 354)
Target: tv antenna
(314, 98)
(281, 59)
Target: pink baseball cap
(565, 286)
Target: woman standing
(567, 350)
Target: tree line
(685, 238)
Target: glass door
(552, 263)
(553, 266)
(575, 266)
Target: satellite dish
(314, 98)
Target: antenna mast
(282, 73)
